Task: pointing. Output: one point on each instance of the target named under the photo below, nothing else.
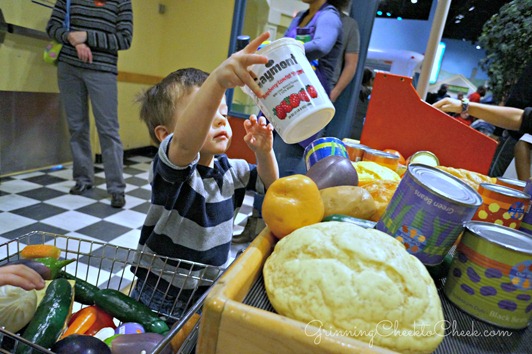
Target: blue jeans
(289, 157)
(77, 88)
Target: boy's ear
(161, 132)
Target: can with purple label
(428, 211)
(490, 276)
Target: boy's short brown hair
(158, 103)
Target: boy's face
(220, 134)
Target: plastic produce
(17, 307)
(333, 171)
(80, 344)
(137, 343)
(47, 267)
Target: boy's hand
(234, 71)
(259, 134)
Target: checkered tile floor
(39, 201)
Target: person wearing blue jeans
(87, 71)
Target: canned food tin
(526, 222)
(490, 276)
(427, 212)
(423, 157)
(512, 183)
(323, 147)
(355, 151)
(502, 205)
(382, 158)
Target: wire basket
(114, 267)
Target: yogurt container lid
(502, 235)
(511, 192)
(278, 43)
(444, 184)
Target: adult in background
(510, 145)
(363, 103)
(87, 69)
(346, 65)
(434, 97)
(323, 20)
(344, 72)
(478, 94)
(322, 23)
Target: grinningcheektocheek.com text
(387, 328)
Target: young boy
(196, 188)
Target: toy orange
(290, 203)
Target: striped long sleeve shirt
(109, 29)
(192, 211)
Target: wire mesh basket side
(114, 267)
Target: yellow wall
(190, 33)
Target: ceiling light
(471, 8)
(413, 1)
(478, 47)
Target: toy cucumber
(127, 309)
(84, 291)
(51, 316)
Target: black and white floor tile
(40, 201)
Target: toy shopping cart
(112, 267)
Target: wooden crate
(230, 326)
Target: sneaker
(79, 188)
(118, 200)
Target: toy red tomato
(402, 160)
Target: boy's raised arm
(194, 121)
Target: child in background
(196, 188)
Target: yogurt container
(490, 276)
(294, 100)
(502, 205)
(427, 212)
(323, 147)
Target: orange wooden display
(398, 119)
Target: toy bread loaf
(355, 282)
